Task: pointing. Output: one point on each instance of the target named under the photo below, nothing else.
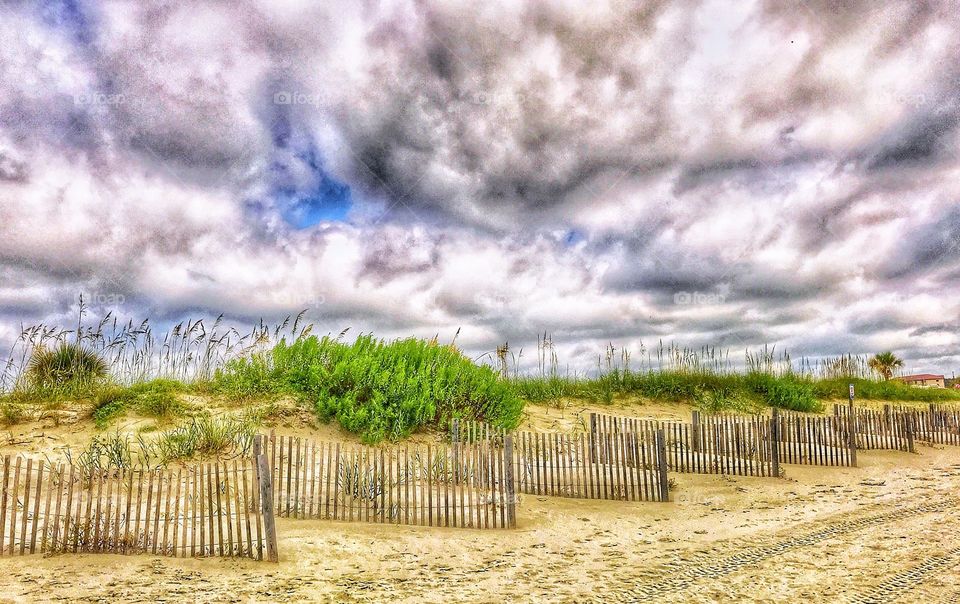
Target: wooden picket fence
(900, 427)
(707, 445)
(209, 509)
(744, 445)
(816, 441)
(936, 425)
(875, 429)
(469, 485)
(602, 465)
(611, 465)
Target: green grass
(13, 409)
(224, 436)
(708, 390)
(375, 388)
(380, 390)
(66, 366)
(725, 391)
(891, 390)
(157, 399)
(205, 436)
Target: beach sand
(886, 529)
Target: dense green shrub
(375, 388)
(249, 377)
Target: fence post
(510, 490)
(908, 420)
(852, 427)
(265, 482)
(695, 437)
(455, 435)
(661, 444)
(775, 442)
(593, 438)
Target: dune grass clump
(703, 377)
(156, 398)
(13, 409)
(226, 435)
(375, 388)
(730, 392)
(67, 367)
(208, 436)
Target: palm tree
(886, 363)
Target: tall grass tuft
(68, 366)
(227, 436)
(130, 353)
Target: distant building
(924, 380)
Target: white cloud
(520, 168)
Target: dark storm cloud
(931, 245)
(879, 321)
(949, 328)
(924, 141)
(12, 170)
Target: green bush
(375, 388)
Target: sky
(732, 174)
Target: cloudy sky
(725, 173)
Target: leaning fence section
(600, 465)
(707, 445)
(815, 441)
(206, 510)
(876, 429)
(935, 425)
(468, 485)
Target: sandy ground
(886, 531)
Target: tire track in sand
(901, 583)
(684, 578)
